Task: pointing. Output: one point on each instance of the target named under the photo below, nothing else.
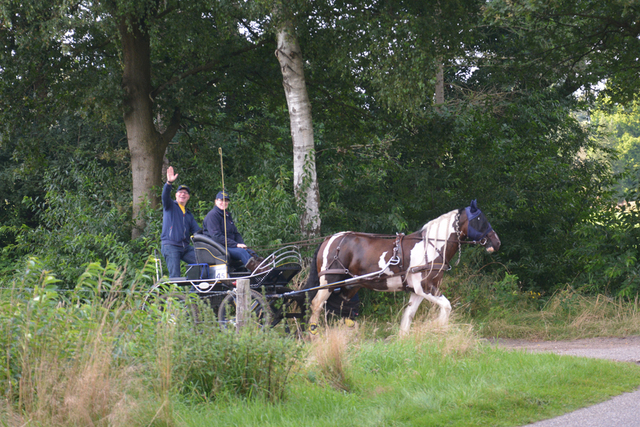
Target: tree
(147, 144)
(619, 128)
(162, 61)
(577, 43)
(305, 181)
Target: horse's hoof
(313, 329)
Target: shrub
(207, 362)
(65, 352)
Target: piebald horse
(414, 263)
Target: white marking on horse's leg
(323, 294)
(441, 301)
(409, 312)
(445, 308)
(316, 305)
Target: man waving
(178, 224)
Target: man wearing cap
(214, 227)
(178, 224)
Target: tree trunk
(146, 145)
(305, 183)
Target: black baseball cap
(185, 188)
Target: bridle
(482, 241)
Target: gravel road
(621, 411)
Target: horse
(413, 263)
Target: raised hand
(170, 175)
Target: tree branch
(202, 68)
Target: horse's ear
(474, 205)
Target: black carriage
(215, 275)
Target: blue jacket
(177, 228)
(213, 225)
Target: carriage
(215, 275)
(343, 263)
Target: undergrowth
(498, 306)
(96, 355)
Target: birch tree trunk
(305, 183)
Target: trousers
(173, 254)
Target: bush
(65, 353)
(82, 218)
(607, 258)
(207, 362)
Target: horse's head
(479, 229)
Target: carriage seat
(208, 251)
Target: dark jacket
(213, 226)
(177, 228)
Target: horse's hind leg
(316, 306)
(409, 312)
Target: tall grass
(64, 362)
(93, 356)
(329, 354)
(497, 306)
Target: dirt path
(621, 349)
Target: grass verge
(429, 378)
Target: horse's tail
(313, 280)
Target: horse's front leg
(316, 306)
(409, 313)
(441, 301)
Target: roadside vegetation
(101, 354)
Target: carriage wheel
(171, 304)
(260, 311)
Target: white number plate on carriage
(219, 271)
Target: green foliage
(212, 362)
(51, 337)
(608, 257)
(99, 325)
(266, 210)
(83, 217)
(619, 130)
(497, 294)
(553, 43)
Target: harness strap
(431, 266)
(334, 271)
(397, 250)
(336, 258)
